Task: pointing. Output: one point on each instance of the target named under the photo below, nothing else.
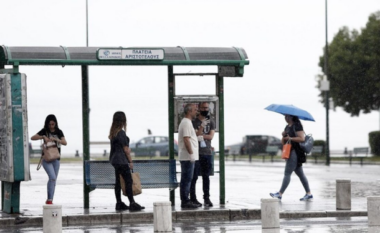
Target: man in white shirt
(187, 154)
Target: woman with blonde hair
(121, 160)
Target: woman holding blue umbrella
(294, 132)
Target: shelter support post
(11, 201)
(2, 195)
(171, 94)
(327, 129)
(86, 133)
(326, 71)
(220, 94)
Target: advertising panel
(14, 138)
(6, 152)
(181, 101)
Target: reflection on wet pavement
(246, 184)
(325, 225)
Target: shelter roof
(89, 56)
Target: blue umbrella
(290, 110)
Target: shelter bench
(272, 151)
(36, 152)
(359, 152)
(316, 152)
(33, 152)
(153, 174)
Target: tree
(354, 68)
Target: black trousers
(204, 166)
(125, 172)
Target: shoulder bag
(306, 145)
(50, 151)
(136, 184)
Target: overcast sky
(283, 40)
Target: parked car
(152, 146)
(255, 144)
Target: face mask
(204, 113)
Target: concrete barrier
(270, 214)
(272, 230)
(52, 218)
(374, 229)
(343, 194)
(373, 208)
(162, 214)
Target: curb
(177, 216)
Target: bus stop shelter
(14, 162)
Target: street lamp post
(327, 94)
(87, 23)
(86, 121)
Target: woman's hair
(119, 122)
(296, 120)
(49, 118)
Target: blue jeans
(187, 171)
(52, 169)
(290, 167)
(203, 166)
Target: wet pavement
(246, 184)
(319, 225)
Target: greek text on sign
(142, 54)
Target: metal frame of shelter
(230, 62)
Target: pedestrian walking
(121, 160)
(53, 134)
(205, 128)
(187, 154)
(294, 133)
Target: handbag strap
(47, 136)
(55, 143)
(294, 129)
(39, 163)
(295, 133)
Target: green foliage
(319, 143)
(354, 68)
(374, 142)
